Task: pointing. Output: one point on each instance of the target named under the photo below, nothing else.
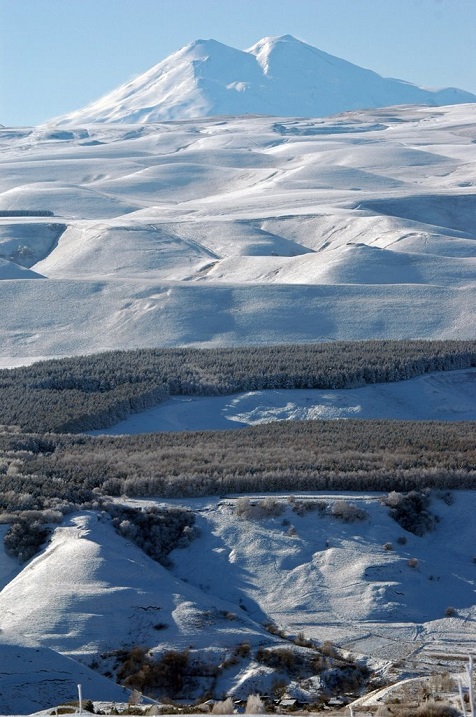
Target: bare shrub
(248, 509)
(348, 512)
(388, 546)
(302, 640)
(450, 611)
(243, 649)
(301, 507)
(274, 629)
(441, 682)
(413, 562)
(328, 649)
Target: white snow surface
(435, 397)
(279, 76)
(228, 231)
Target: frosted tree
(223, 708)
(254, 705)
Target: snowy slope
(90, 592)
(240, 230)
(10, 270)
(279, 76)
(34, 677)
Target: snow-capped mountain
(279, 76)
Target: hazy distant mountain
(279, 76)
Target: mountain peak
(273, 40)
(279, 75)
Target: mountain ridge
(277, 76)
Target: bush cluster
(347, 512)
(165, 675)
(411, 512)
(23, 539)
(338, 674)
(248, 509)
(28, 530)
(157, 531)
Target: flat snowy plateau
(225, 231)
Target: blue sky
(58, 55)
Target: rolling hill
(241, 230)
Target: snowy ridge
(279, 76)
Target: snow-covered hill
(234, 231)
(369, 586)
(279, 76)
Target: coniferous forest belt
(91, 392)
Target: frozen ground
(447, 396)
(226, 231)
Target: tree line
(61, 472)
